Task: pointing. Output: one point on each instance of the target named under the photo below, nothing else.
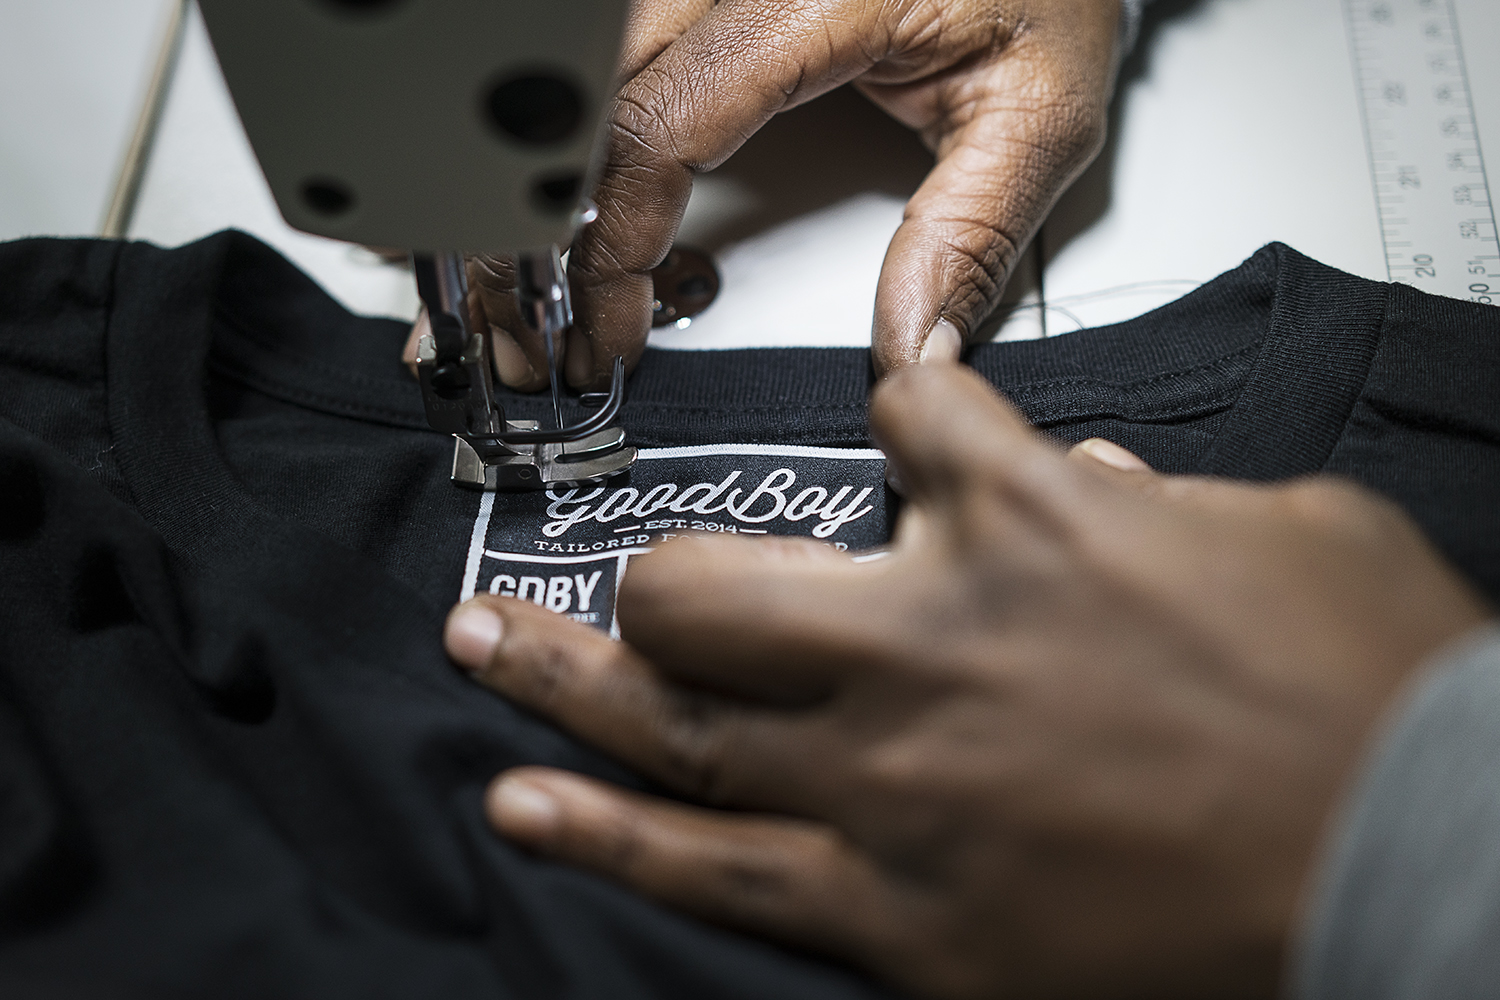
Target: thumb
(1004, 158)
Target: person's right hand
(1078, 735)
(1010, 94)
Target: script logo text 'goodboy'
(773, 498)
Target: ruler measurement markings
(1427, 168)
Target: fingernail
(944, 343)
(521, 809)
(1113, 455)
(472, 633)
(510, 361)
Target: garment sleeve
(1408, 901)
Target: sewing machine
(452, 127)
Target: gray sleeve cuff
(1408, 902)
(1130, 24)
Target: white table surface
(73, 74)
(1235, 124)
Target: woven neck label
(568, 549)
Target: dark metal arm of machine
(465, 125)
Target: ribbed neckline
(1282, 345)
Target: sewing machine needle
(548, 335)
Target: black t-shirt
(233, 758)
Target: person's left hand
(1079, 733)
(1010, 95)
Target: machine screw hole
(558, 192)
(327, 197)
(537, 109)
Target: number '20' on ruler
(1436, 217)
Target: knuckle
(1070, 132)
(696, 733)
(1085, 128)
(1325, 502)
(539, 677)
(596, 262)
(547, 672)
(1345, 513)
(753, 887)
(893, 772)
(640, 128)
(492, 272)
(621, 847)
(799, 866)
(983, 256)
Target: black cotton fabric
(233, 758)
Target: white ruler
(1436, 216)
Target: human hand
(1079, 734)
(1010, 94)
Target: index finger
(715, 749)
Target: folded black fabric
(233, 758)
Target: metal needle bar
(542, 293)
